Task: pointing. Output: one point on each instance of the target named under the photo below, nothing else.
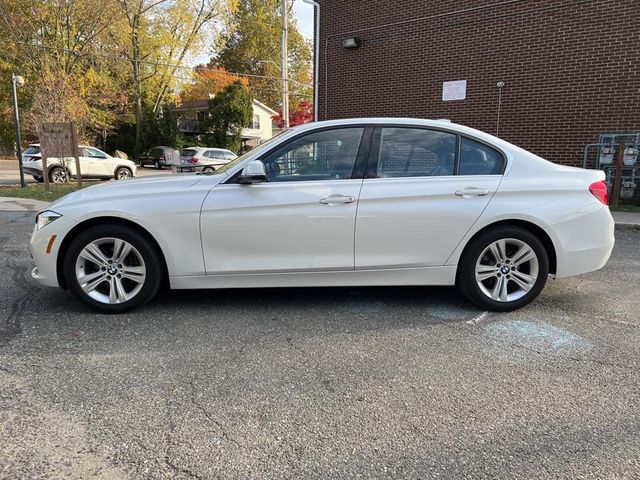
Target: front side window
(416, 152)
(478, 159)
(94, 153)
(325, 155)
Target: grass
(627, 207)
(37, 192)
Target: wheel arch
(531, 227)
(64, 246)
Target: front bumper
(46, 271)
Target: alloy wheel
(507, 270)
(110, 270)
(58, 175)
(124, 174)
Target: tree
(56, 45)
(230, 111)
(209, 81)
(157, 37)
(303, 114)
(252, 45)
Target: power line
(145, 62)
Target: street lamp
(17, 81)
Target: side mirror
(253, 172)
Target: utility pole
(285, 69)
(17, 81)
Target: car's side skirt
(445, 275)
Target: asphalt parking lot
(321, 383)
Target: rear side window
(214, 154)
(478, 159)
(416, 152)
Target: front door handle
(331, 199)
(472, 192)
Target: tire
(157, 164)
(38, 179)
(505, 282)
(112, 284)
(58, 175)
(123, 173)
(208, 170)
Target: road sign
(58, 141)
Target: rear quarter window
(479, 159)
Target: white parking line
(478, 318)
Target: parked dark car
(160, 157)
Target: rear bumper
(585, 243)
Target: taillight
(161, 158)
(193, 160)
(599, 190)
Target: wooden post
(76, 154)
(45, 171)
(617, 182)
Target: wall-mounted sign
(455, 90)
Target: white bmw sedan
(374, 201)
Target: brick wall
(571, 67)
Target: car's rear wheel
(123, 173)
(113, 268)
(208, 170)
(157, 164)
(58, 175)
(503, 269)
(38, 179)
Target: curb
(21, 204)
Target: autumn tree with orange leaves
(209, 81)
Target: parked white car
(205, 160)
(94, 163)
(373, 201)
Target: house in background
(192, 119)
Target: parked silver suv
(205, 160)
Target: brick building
(570, 67)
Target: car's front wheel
(113, 268)
(123, 173)
(503, 269)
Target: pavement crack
(209, 416)
(566, 357)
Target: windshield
(32, 150)
(258, 149)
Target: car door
(424, 190)
(95, 163)
(301, 219)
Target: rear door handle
(331, 199)
(472, 192)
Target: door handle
(472, 192)
(337, 199)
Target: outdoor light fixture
(351, 42)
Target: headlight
(45, 218)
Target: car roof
(443, 124)
(81, 146)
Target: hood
(136, 189)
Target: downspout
(316, 59)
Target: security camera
(500, 84)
